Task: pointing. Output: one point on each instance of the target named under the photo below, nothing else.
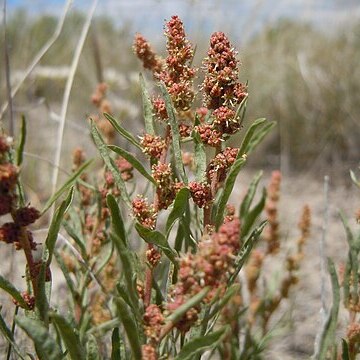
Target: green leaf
(11, 290)
(327, 335)
(198, 345)
(92, 349)
(200, 158)
(46, 346)
(70, 181)
(175, 134)
(252, 215)
(117, 346)
(157, 238)
(117, 219)
(181, 310)
(179, 207)
(246, 250)
(132, 330)
(65, 272)
(133, 161)
(20, 149)
(124, 133)
(9, 337)
(228, 188)
(69, 336)
(345, 350)
(255, 134)
(56, 223)
(246, 203)
(349, 234)
(119, 239)
(147, 108)
(79, 242)
(230, 292)
(109, 162)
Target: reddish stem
(149, 270)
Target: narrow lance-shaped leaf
(124, 133)
(109, 162)
(117, 346)
(70, 181)
(56, 223)
(46, 346)
(246, 250)
(181, 310)
(158, 239)
(130, 327)
(119, 238)
(260, 135)
(200, 158)
(179, 207)
(246, 203)
(252, 215)
(327, 335)
(117, 219)
(9, 337)
(147, 108)
(20, 149)
(255, 134)
(175, 134)
(133, 161)
(69, 336)
(11, 290)
(228, 188)
(92, 349)
(198, 345)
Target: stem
(25, 244)
(149, 270)
(12, 331)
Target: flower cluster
(143, 212)
(146, 54)
(210, 266)
(209, 135)
(272, 232)
(152, 145)
(153, 321)
(200, 193)
(14, 232)
(221, 86)
(222, 162)
(160, 108)
(178, 75)
(103, 106)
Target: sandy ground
(304, 306)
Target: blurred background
(300, 57)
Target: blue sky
(241, 16)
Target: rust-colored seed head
(221, 86)
(8, 176)
(146, 54)
(200, 193)
(148, 352)
(160, 108)
(5, 204)
(209, 135)
(153, 146)
(26, 215)
(9, 233)
(153, 321)
(4, 144)
(153, 256)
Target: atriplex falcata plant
(181, 295)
